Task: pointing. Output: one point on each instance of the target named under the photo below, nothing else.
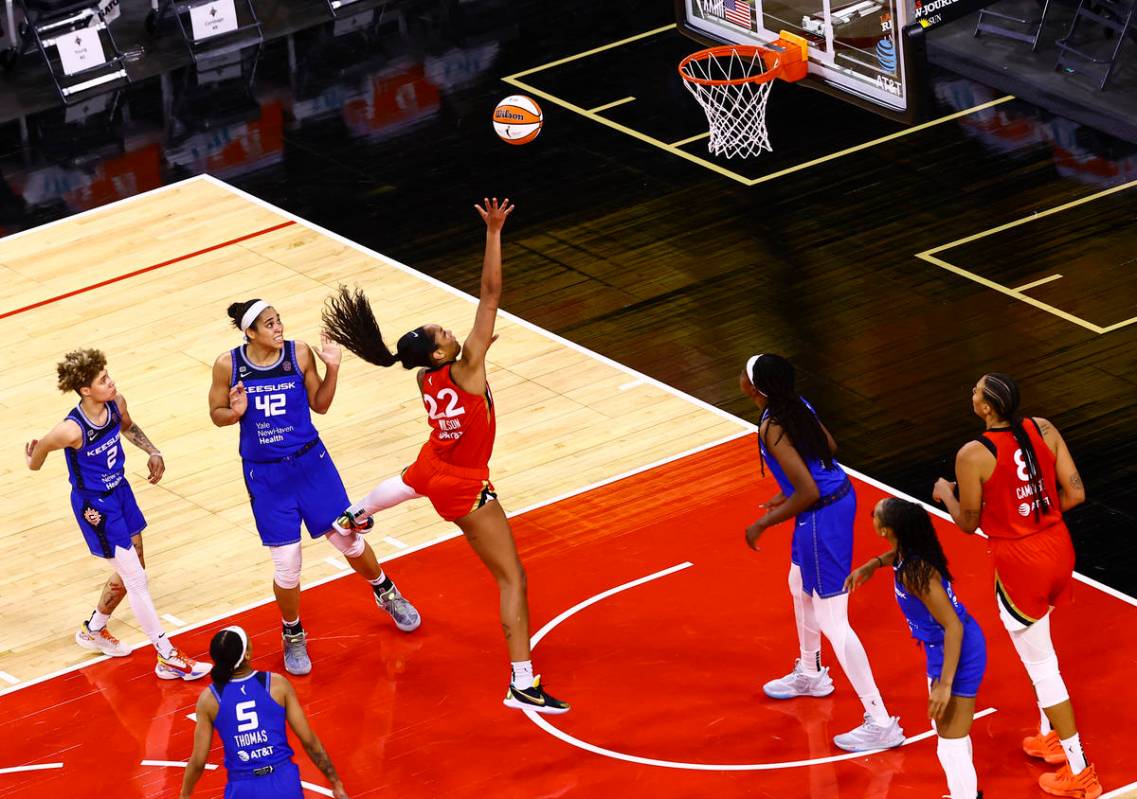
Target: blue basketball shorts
(107, 520)
(307, 488)
(823, 546)
(972, 660)
(282, 783)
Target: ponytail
(228, 652)
(1002, 393)
(918, 547)
(349, 321)
(773, 376)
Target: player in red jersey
(452, 469)
(1015, 481)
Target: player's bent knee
(286, 561)
(1048, 683)
(350, 546)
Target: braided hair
(917, 546)
(349, 320)
(773, 375)
(1002, 393)
(228, 651)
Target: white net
(736, 111)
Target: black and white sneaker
(534, 699)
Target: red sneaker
(1083, 785)
(1045, 747)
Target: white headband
(244, 642)
(252, 314)
(750, 371)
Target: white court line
(744, 426)
(632, 384)
(1119, 791)
(174, 620)
(396, 543)
(210, 767)
(339, 564)
(38, 767)
(8, 678)
(556, 732)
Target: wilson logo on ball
(517, 119)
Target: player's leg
(322, 499)
(93, 633)
(954, 750)
(808, 678)
(489, 535)
(388, 494)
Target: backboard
(862, 51)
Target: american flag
(737, 11)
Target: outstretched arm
(133, 433)
(64, 434)
(299, 723)
(472, 365)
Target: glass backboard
(864, 51)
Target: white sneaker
(800, 683)
(871, 736)
(101, 641)
(180, 667)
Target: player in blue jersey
(250, 710)
(817, 494)
(104, 506)
(954, 646)
(270, 386)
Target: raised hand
(329, 352)
(238, 399)
(493, 213)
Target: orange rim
(770, 57)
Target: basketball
(518, 119)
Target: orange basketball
(518, 119)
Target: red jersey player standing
(1015, 481)
(452, 469)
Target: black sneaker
(534, 699)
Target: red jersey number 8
(1021, 463)
(452, 410)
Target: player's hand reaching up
(329, 352)
(238, 399)
(493, 213)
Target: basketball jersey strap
(989, 444)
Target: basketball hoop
(732, 83)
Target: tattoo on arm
(1044, 428)
(135, 436)
(322, 761)
(1076, 481)
(970, 518)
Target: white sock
(1043, 722)
(522, 674)
(1075, 757)
(98, 621)
(955, 757)
(379, 580)
(811, 661)
(163, 645)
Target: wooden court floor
(172, 260)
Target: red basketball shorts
(1033, 574)
(454, 491)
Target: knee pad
(350, 545)
(1036, 651)
(286, 562)
(129, 569)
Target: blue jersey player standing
(270, 386)
(954, 646)
(105, 509)
(817, 494)
(250, 711)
